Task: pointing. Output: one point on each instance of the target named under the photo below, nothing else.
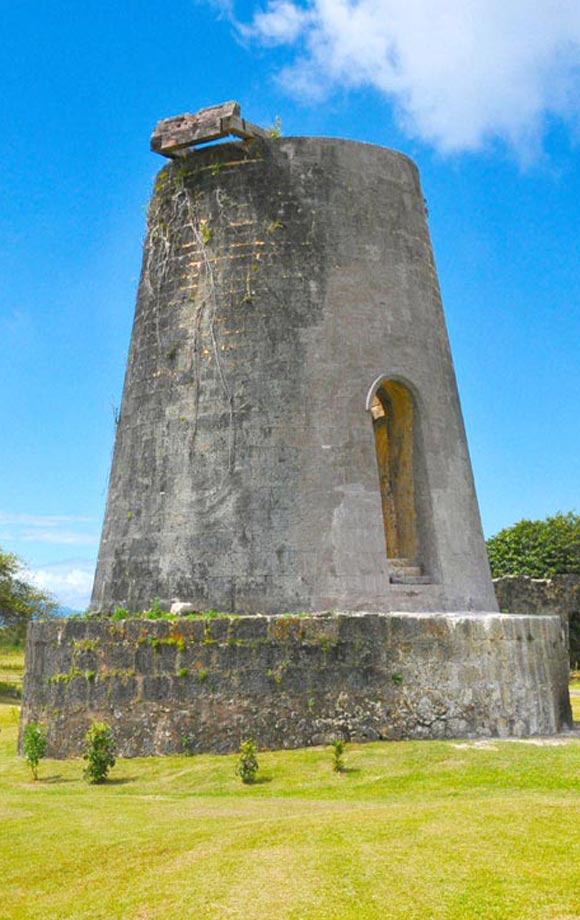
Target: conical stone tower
(290, 440)
(290, 437)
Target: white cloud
(42, 520)
(460, 72)
(68, 537)
(46, 528)
(69, 582)
(281, 23)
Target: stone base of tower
(291, 681)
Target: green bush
(99, 752)
(188, 744)
(539, 549)
(337, 756)
(156, 611)
(247, 765)
(276, 129)
(34, 746)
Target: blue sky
(484, 97)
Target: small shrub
(34, 746)
(156, 611)
(99, 752)
(337, 756)
(247, 765)
(188, 745)
(205, 231)
(276, 129)
(274, 225)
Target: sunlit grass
(412, 830)
(11, 673)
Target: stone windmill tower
(290, 437)
(290, 440)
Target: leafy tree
(539, 549)
(247, 765)
(99, 752)
(338, 756)
(34, 746)
(20, 601)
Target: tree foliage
(34, 746)
(539, 549)
(338, 756)
(99, 752)
(247, 765)
(20, 601)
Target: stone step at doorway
(405, 572)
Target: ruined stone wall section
(294, 681)
(557, 596)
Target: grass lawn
(413, 830)
(11, 673)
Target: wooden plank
(173, 135)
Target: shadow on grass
(10, 700)
(57, 778)
(260, 781)
(117, 781)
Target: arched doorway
(393, 415)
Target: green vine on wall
(175, 194)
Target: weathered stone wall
(292, 681)
(557, 596)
